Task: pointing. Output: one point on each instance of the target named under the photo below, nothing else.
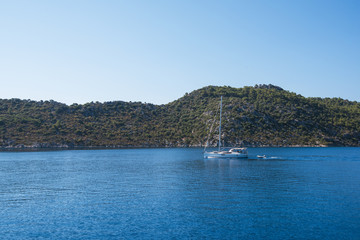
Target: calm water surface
(296, 193)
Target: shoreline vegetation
(259, 116)
(62, 147)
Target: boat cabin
(238, 150)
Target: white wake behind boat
(226, 152)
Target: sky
(154, 51)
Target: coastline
(63, 147)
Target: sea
(174, 193)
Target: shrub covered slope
(264, 115)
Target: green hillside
(263, 115)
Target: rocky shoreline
(46, 147)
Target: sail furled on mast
(220, 124)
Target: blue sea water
(295, 193)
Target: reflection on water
(300, 193)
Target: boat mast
(220, 125)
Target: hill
(264, 115)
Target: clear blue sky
(75, 51)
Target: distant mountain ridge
(263, 115)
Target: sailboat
(226, 152)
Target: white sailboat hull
(217, 154)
